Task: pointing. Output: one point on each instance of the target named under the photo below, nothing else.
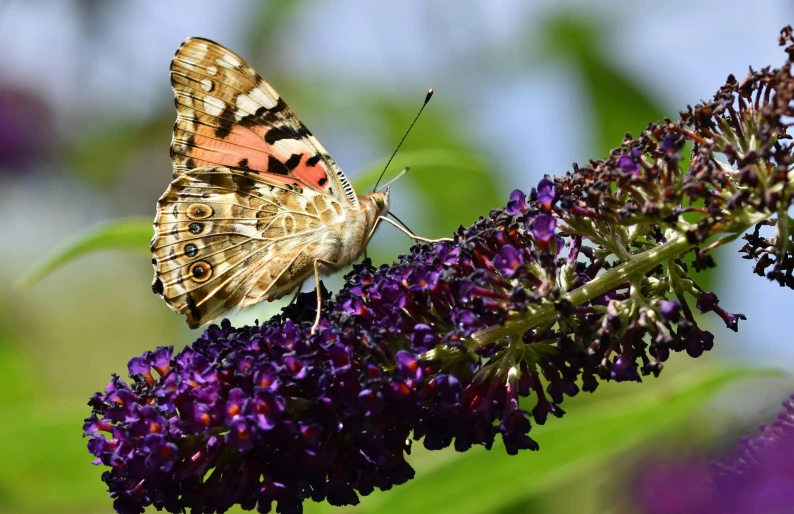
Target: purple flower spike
(240, 436)
(517, 204)
(624, 369)
(141, 366)
(671, 145)
(161, 453)
(233, 409)
(514, 428)
(698, 341)
(266, 409)
(26, 129)
(584, 280)
(707, 302)
(543, 230)
(508, 261)
(276, 405)
(670, 309)
(545, 194)
(731, 320)
(629, 165)
(408, 366)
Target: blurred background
(523, 89)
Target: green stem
(639, 265)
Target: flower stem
(638, 265)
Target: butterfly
(257, 205)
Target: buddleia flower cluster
(587, 278)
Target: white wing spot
(224, 64)
(290, 146)
(251, 102)
(245, 106)
(212, 70)
(228, 62)
(200, 49)
(213, 106)
(231, 60)
(265, 100)
(206, 85)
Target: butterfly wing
(227, 115)
(226, 239)
(253, 196)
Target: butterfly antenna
(392, 181)
(427, 99)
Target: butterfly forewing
(227, 115)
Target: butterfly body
(256, 205)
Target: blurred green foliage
(46, 467)
(122, 234)
(89, 156)
(618, 103)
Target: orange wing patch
(229, 116)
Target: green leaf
(120, 234)
(454, 187)
(590, 434)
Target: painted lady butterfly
(256, 205)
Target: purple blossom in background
(25, 129)
(757, 479)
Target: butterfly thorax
(351, 236)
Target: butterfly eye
(201, 271)
(199, 211)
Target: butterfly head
(380, 201)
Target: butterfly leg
(297, 292)
(319, 290)
(409, 233)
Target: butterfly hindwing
(226, 239)
(227, 115)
